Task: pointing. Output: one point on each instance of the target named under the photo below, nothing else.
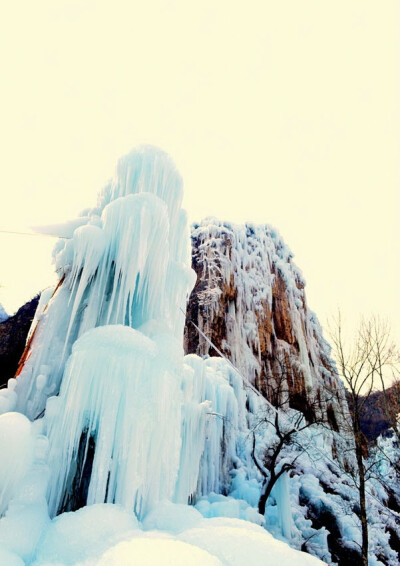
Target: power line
(31, 234)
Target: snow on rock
(16, 449)
(88, 533)
(238, 545)
(155, 552)
(172, 518)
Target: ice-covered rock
(249, 300)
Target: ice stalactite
(282, 496)
(217, 435)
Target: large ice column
(105, 363)
(121, 398)
(126, 263)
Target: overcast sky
(281, 112)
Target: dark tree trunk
(361, 490)
(262, 503)
(268, 486)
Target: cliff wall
(249, 299)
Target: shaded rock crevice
(13, 334)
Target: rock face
(13, 334)
(374, 419)
(249, 300)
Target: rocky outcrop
(13, 333)
(374, 418)
(249, 299)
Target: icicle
(282, 495)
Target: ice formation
(127, 416)
(129, 420)
(127, 263)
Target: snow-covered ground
(170, 535)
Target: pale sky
(281, 112)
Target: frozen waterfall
(129, 420)
(126, 417)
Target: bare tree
(287, 426)
(385, 357)
(362, 363)
(270, 467)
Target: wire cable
(31, 234)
